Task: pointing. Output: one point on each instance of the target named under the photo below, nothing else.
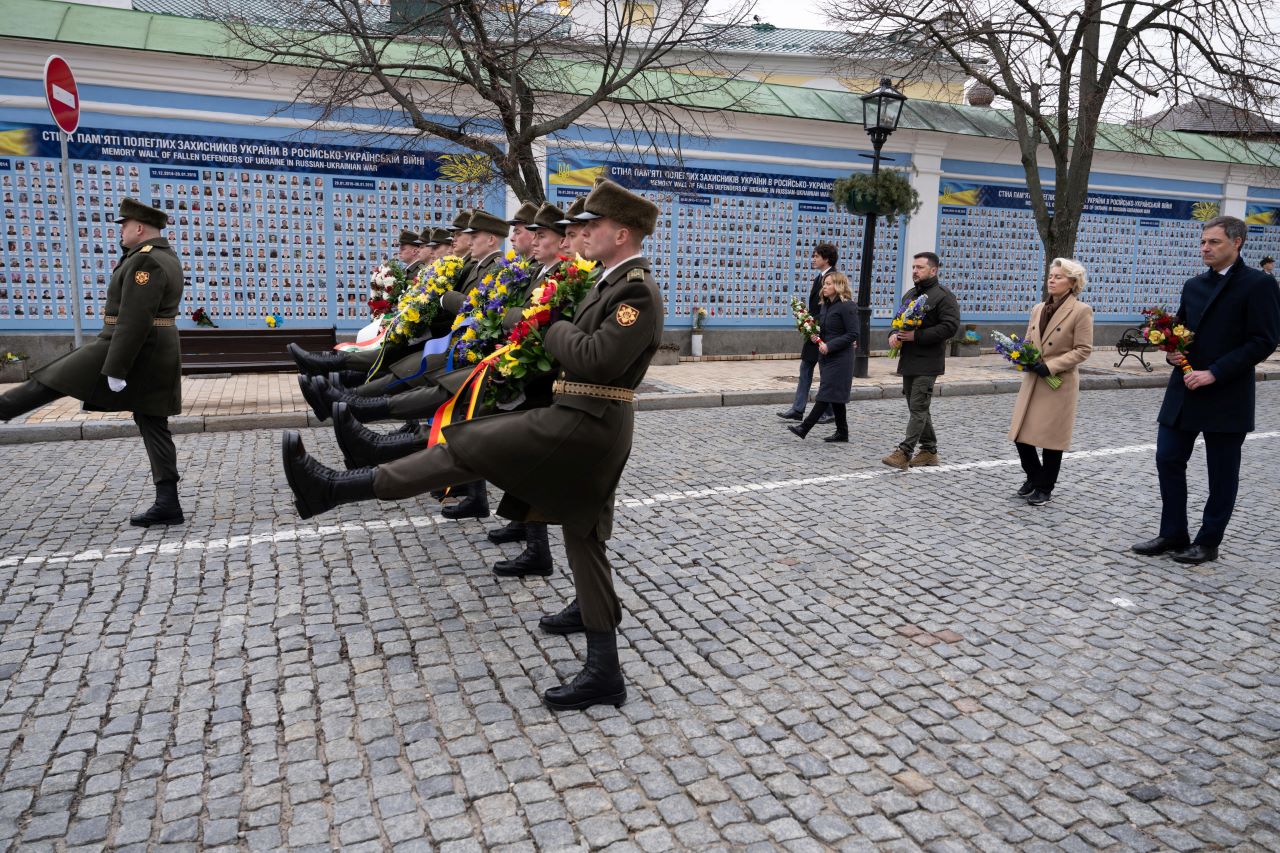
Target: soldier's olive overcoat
(146, 284)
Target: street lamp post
(881, 110)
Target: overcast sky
(804, 14)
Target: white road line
(294, 534)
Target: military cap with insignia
(525, 215)
(440, 236)
(484, 221)
(608, 200)
(460, 221)
(136, 210)
(570, 216)
(424, 237)
(409, 238)
(549, 216)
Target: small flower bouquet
(557, 297)
(478, 330)
(1166, 334)
(417, 306)
(386, 285)
(1022, 355)
(805, 324)
(699, 318)
(202, 318)
(910, 317)
(274, 321)
(14, 357)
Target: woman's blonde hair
(841, 283)
(1073, 270)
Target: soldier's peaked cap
(460, 221)
(611, 201)
(549, 216)
(525, 215)
(574, 209)
(134, 209)
(484, 221)
(410, 238)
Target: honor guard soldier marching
(135, 364)
(561, 463)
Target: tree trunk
(522, 172)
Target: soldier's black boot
(316, 363)
(512, 532)
(364, 409)
(312, 392)
(318, 489)
(166, 509)
(345, 379)
(599, 683)
(474, 505)
(567, 621)
(535, 559)
(362, 447)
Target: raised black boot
(535, 559)
(512, 532)
(166, 509)
(599, 683)
(316, 363)
(567, 621)
(366, 410)
(318, 489)
(474, 505)
(312, 393)
(345, 379)
(363, 448)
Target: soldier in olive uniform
(521, 234)
(135, 364)
(560, 463)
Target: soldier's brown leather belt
(603, 392)
(111, 320)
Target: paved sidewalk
(220, 403)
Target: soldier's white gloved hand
(116, 385)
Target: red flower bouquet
(1167, 334)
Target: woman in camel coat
(1043, 417)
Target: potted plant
(13, 367)
(888, 193)
(695, 340)
(967, 345)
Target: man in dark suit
(825, 257)
(1234, 313)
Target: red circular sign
(61, 94)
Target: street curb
(22, 433)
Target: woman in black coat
(837, 341)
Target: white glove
(116, 385)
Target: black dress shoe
(1025, 490)
(567, 621)
(826, 419)
(837, 437)
(535, 559)
(797, 430)
(364, 448)
(1159, 545)
(314, 395)
(1196, 554)
(599, 683)
(1039, 497)
(791, 415)
(316, 363)
(475, 504)
(318, 489)
(512, 531)
(166, 510)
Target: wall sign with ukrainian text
(738, 242)
(1138, 250)
(284, 227)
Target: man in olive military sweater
(135, 363)
(561, 463)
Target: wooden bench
(248, 350)
(1132, 343)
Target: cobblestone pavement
(822, 654)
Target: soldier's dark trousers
(158, 441)
(156, 436)
(437, 468)
(20, 399)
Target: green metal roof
(49, 20)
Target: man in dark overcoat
(825, 257)
(1233, 313)
(561, 463)
(135, 363)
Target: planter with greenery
(888, 193)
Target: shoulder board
(636, 274)
(146, 248)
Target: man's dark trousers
(1222, 452)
